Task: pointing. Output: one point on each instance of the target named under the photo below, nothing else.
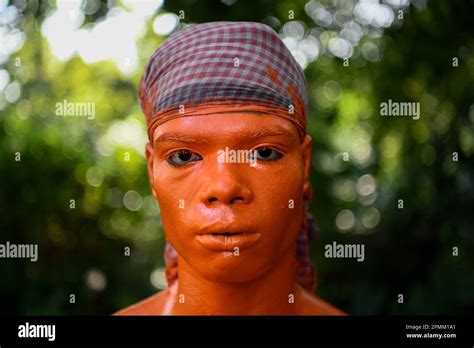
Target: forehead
(230, 126)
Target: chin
(227, 268)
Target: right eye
(182, 157)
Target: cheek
(282, 211)
(172, 199)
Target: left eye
(268, 154)
(182, 157)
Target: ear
(150, 157)
(306, 152)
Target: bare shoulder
(153, 305)
(314, 305)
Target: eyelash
(169, 161)
(279, 152)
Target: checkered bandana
(242, 64)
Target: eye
(182, 157)
(268, 154)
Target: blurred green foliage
(96, 162)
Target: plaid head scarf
(241, 66)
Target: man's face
(230, 221)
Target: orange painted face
(230, 221)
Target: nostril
(236, 199)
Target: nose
(225, 185)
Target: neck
(269, 294)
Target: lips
(227, 241)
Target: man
(237, 228)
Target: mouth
(225, 233)
(228, 241)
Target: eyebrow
(178, 137)
(187, 138)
